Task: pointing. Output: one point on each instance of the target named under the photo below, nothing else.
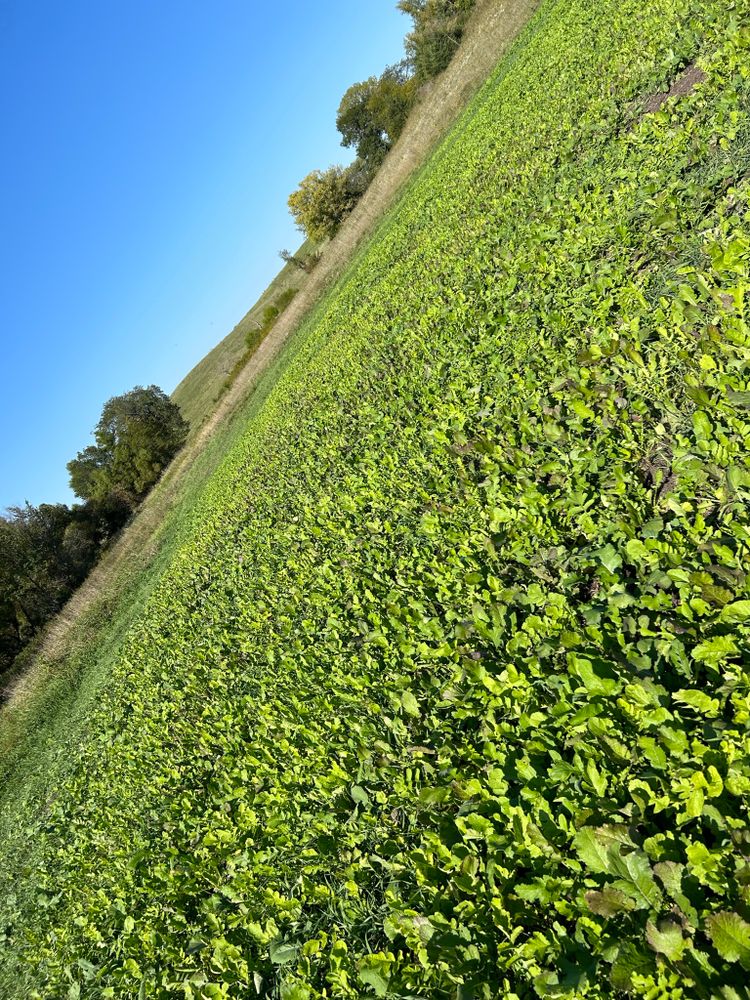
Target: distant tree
(438, 26)
(304, 264)
(11, 642)
(372, 114)
(38, 572)
(11, 614)
(393, 99)
(46, 553)
(270, 315)
(105, 517)
(80, 548)
(89, 471)
(359, 176)
(322, 201)
(357, 125)
(136, 437)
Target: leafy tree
(393, 99)
(285, 298)
(34, 556)
(438, 26)
(322, 201)
(136, 437)
(306, 264)
(48, 550)
(270, 314)
(372, 114)
(43, 561)
(357, 125)
(88, 470)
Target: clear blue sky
(148, 152)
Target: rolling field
(445, 692)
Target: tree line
(47, 551)
(372, 115)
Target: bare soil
(681, 86)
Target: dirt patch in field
(491, 29)
(682, 85)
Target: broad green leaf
(715, 650)
(429, 796)
(608, 902)
(714, 782)
(410, 703)
(653, 753)
(628, 962)
(359, 795)
(666, 938)
(670, 873)
(701, 425)
(636, 550)
(295, 992)
(282, 952)
(597, 779)
(735, 613)
(372, 977)
(581, 410)
(594, 676)
(636, 879)
(699, 701)
(694, 803)
(609, 557)
(590, 849)
(730, 935)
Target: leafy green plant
(257, 335)
(446, 692)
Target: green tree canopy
(438, 29)
(34, 570)
(373, 113)
(322, 201)
(46, 553)
(357, 125)
(137, 435)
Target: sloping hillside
(58, 675)
(198, 393)
(491, 28)
(445, 691)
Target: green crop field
(445, 692)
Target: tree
(357, 125)
(372, 114)
(48, 550)
(393, 99)
(136, 437)
(46, 553)
(306, 264)
(37, 572)
(88, 470)
(322, 201)
(437, 31)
